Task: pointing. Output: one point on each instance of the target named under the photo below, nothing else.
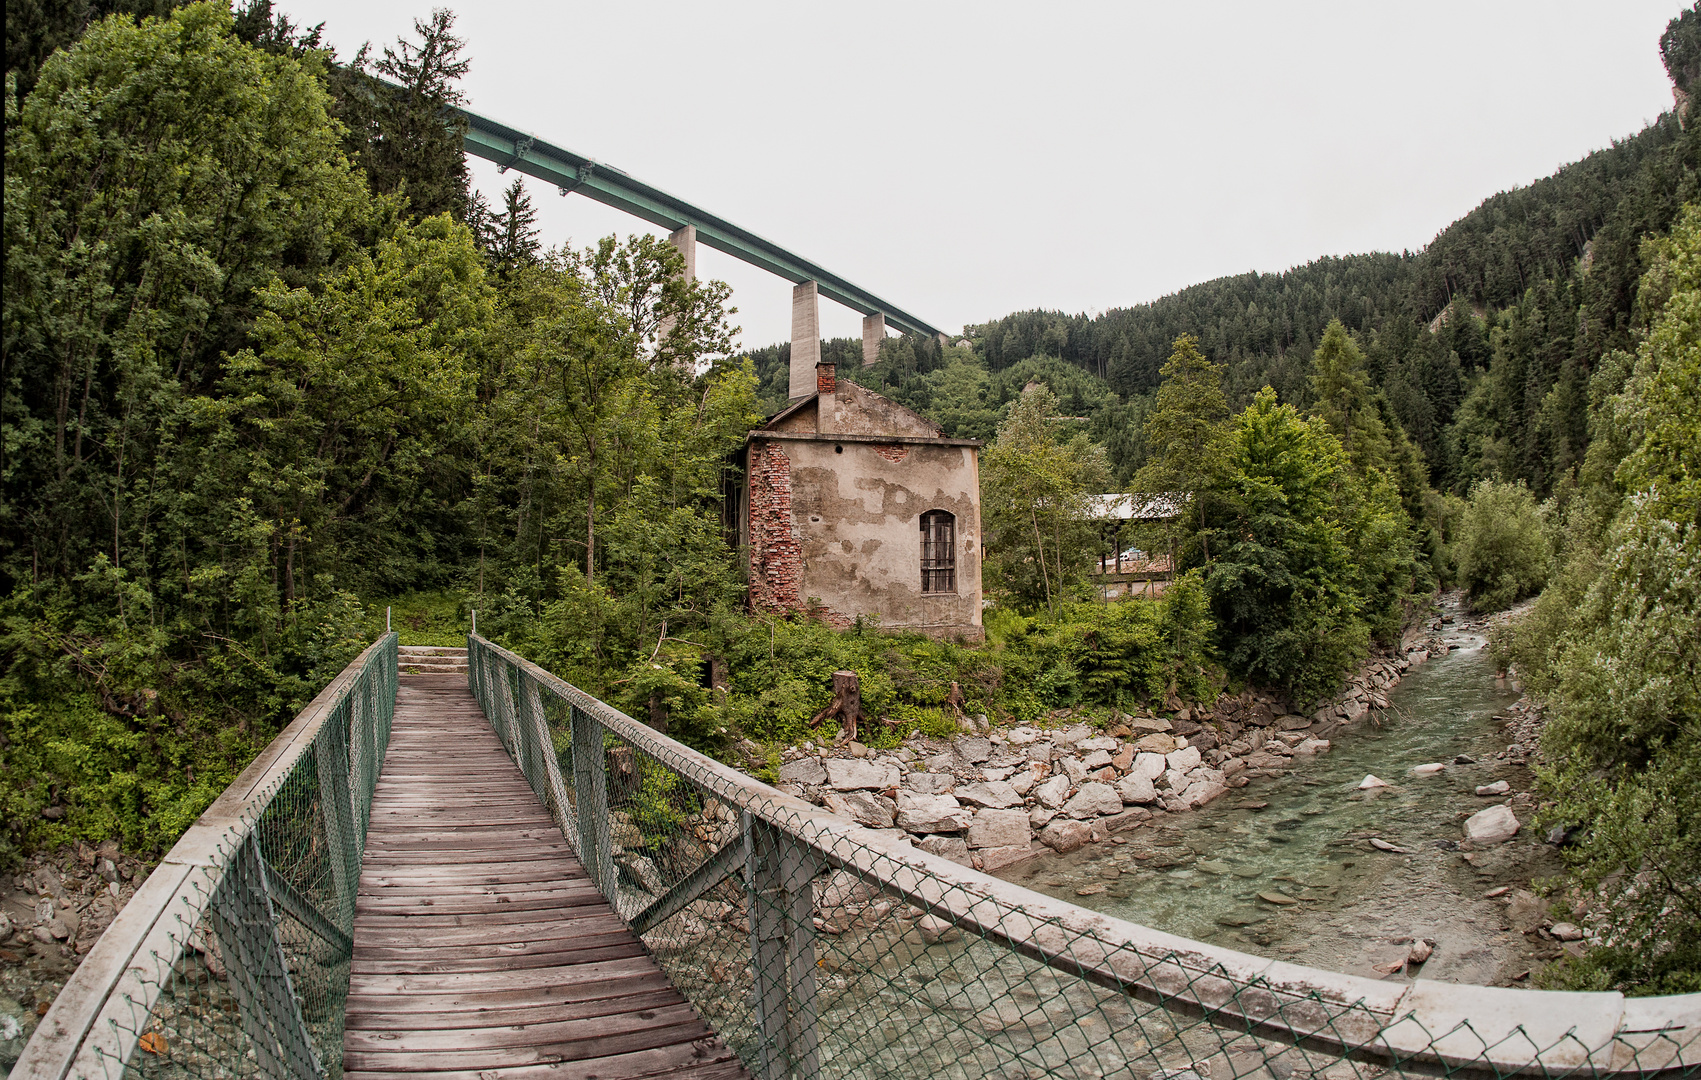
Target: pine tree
(1186, 430)
(397, 127)
(517, 235)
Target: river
(1284, 867)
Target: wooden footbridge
(480, 942)
(455, 866)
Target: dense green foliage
(1035, 488)
(1614, 644)
(244, 387)
(1502, 548)
(1484, 342)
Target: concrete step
(430, 665)
(432, 650)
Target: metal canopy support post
(590, 783)
(780, 872)
(247, 932)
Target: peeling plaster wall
(855, 510)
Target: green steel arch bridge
(574, 173)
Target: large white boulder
(1064, 836)
(1491, 826)
(806, 770)
(874, 811)
(1149, 765)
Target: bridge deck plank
(481, 949)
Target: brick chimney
(825, 383)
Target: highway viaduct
(688, 225)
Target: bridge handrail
(1422, 1026)
(216, 898)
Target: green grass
(427, 618)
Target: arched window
(938, 552)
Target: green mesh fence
(815, 947)
(232, 960)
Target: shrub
(1503, 551)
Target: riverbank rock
(930, 813)
(1065, 836)
(1499, 787)
(1093, 800)
(996, 795)
(1136, 789)
(1371, 781)
(1053, 793)
(926, 783)
(874, 811)
(806, 771)
(860, 774)
(1428, 770)
(1000, 828)
(1491, 826)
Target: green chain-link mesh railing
(232, 959)
(815, 947)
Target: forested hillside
(1483, 342)
(266, 365)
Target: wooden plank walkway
(481, 949)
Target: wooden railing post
(779, 886)
(590, 785)
(245, 925)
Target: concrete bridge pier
(805, 338)
(684, 239)
(873, 333)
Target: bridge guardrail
(232, 959)
(816, 947)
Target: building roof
(854, 413)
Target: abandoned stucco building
(853, 506)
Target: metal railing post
(532, 702)
(590, 784)
(246, 928)
(336, 805)
(779, 884)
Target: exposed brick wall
(825, 383)
(776, 560)
(892, 453)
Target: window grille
(938, 552)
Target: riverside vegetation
(269, 366)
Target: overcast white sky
(968, 160)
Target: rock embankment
(54, 911)
(996, 797)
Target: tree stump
(846, 704)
